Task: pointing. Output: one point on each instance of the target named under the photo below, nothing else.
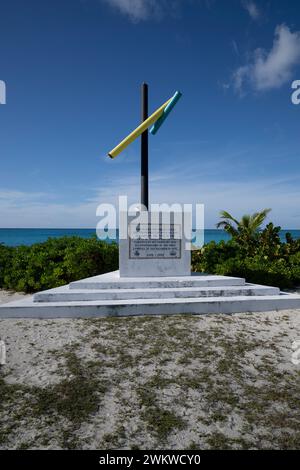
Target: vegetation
(55, 262)
(255, 254)
(246, 229)
(152, 382)
(248, 224)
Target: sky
(73, 71)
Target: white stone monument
(155, 244)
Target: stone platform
(110, 295)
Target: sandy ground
(9, 296)
(180, 382)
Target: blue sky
(73, 70)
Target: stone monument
(157, 244)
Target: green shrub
(5, 260)
(213, 253)
(260, 271)
(91, 257)
(55, 262)
(265, 261)
(62, 260)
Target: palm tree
(246, 228)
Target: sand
(180, 382)
(9, 296)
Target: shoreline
(13, 237)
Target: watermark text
(2, 92)
(296, 94)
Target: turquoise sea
(28, 236)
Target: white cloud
(252, 9)
(138, 10)
(274, 68)
(235, 47)
(282, 194)
(143, 10)
(20, 197)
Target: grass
(222, 382)
(159, 421)
(75, 398)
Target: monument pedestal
(156, 244)
(112, 295)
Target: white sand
(9, 296)
(210, 381)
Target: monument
(156, 245)
(155, 263)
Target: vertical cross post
(144, 150)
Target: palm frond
(247, 227)
(227, 227)
(259, 217)
(226, 215)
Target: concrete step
(64, 294)
(113, 281)
(102, 308)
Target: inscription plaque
(155, 241)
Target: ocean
(28, 236)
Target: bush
(5, 260)
(55, 262)
(62, 260)
(206, 259)
(266, 260)
(275, 273)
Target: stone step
(102, 308)
(64, 294)
(113, 281)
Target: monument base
(111, 295)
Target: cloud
(272, 69)
(235, 48)
(20, 197)
(145, 10)
(252, 9)
(21, 209)
(138, 10)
